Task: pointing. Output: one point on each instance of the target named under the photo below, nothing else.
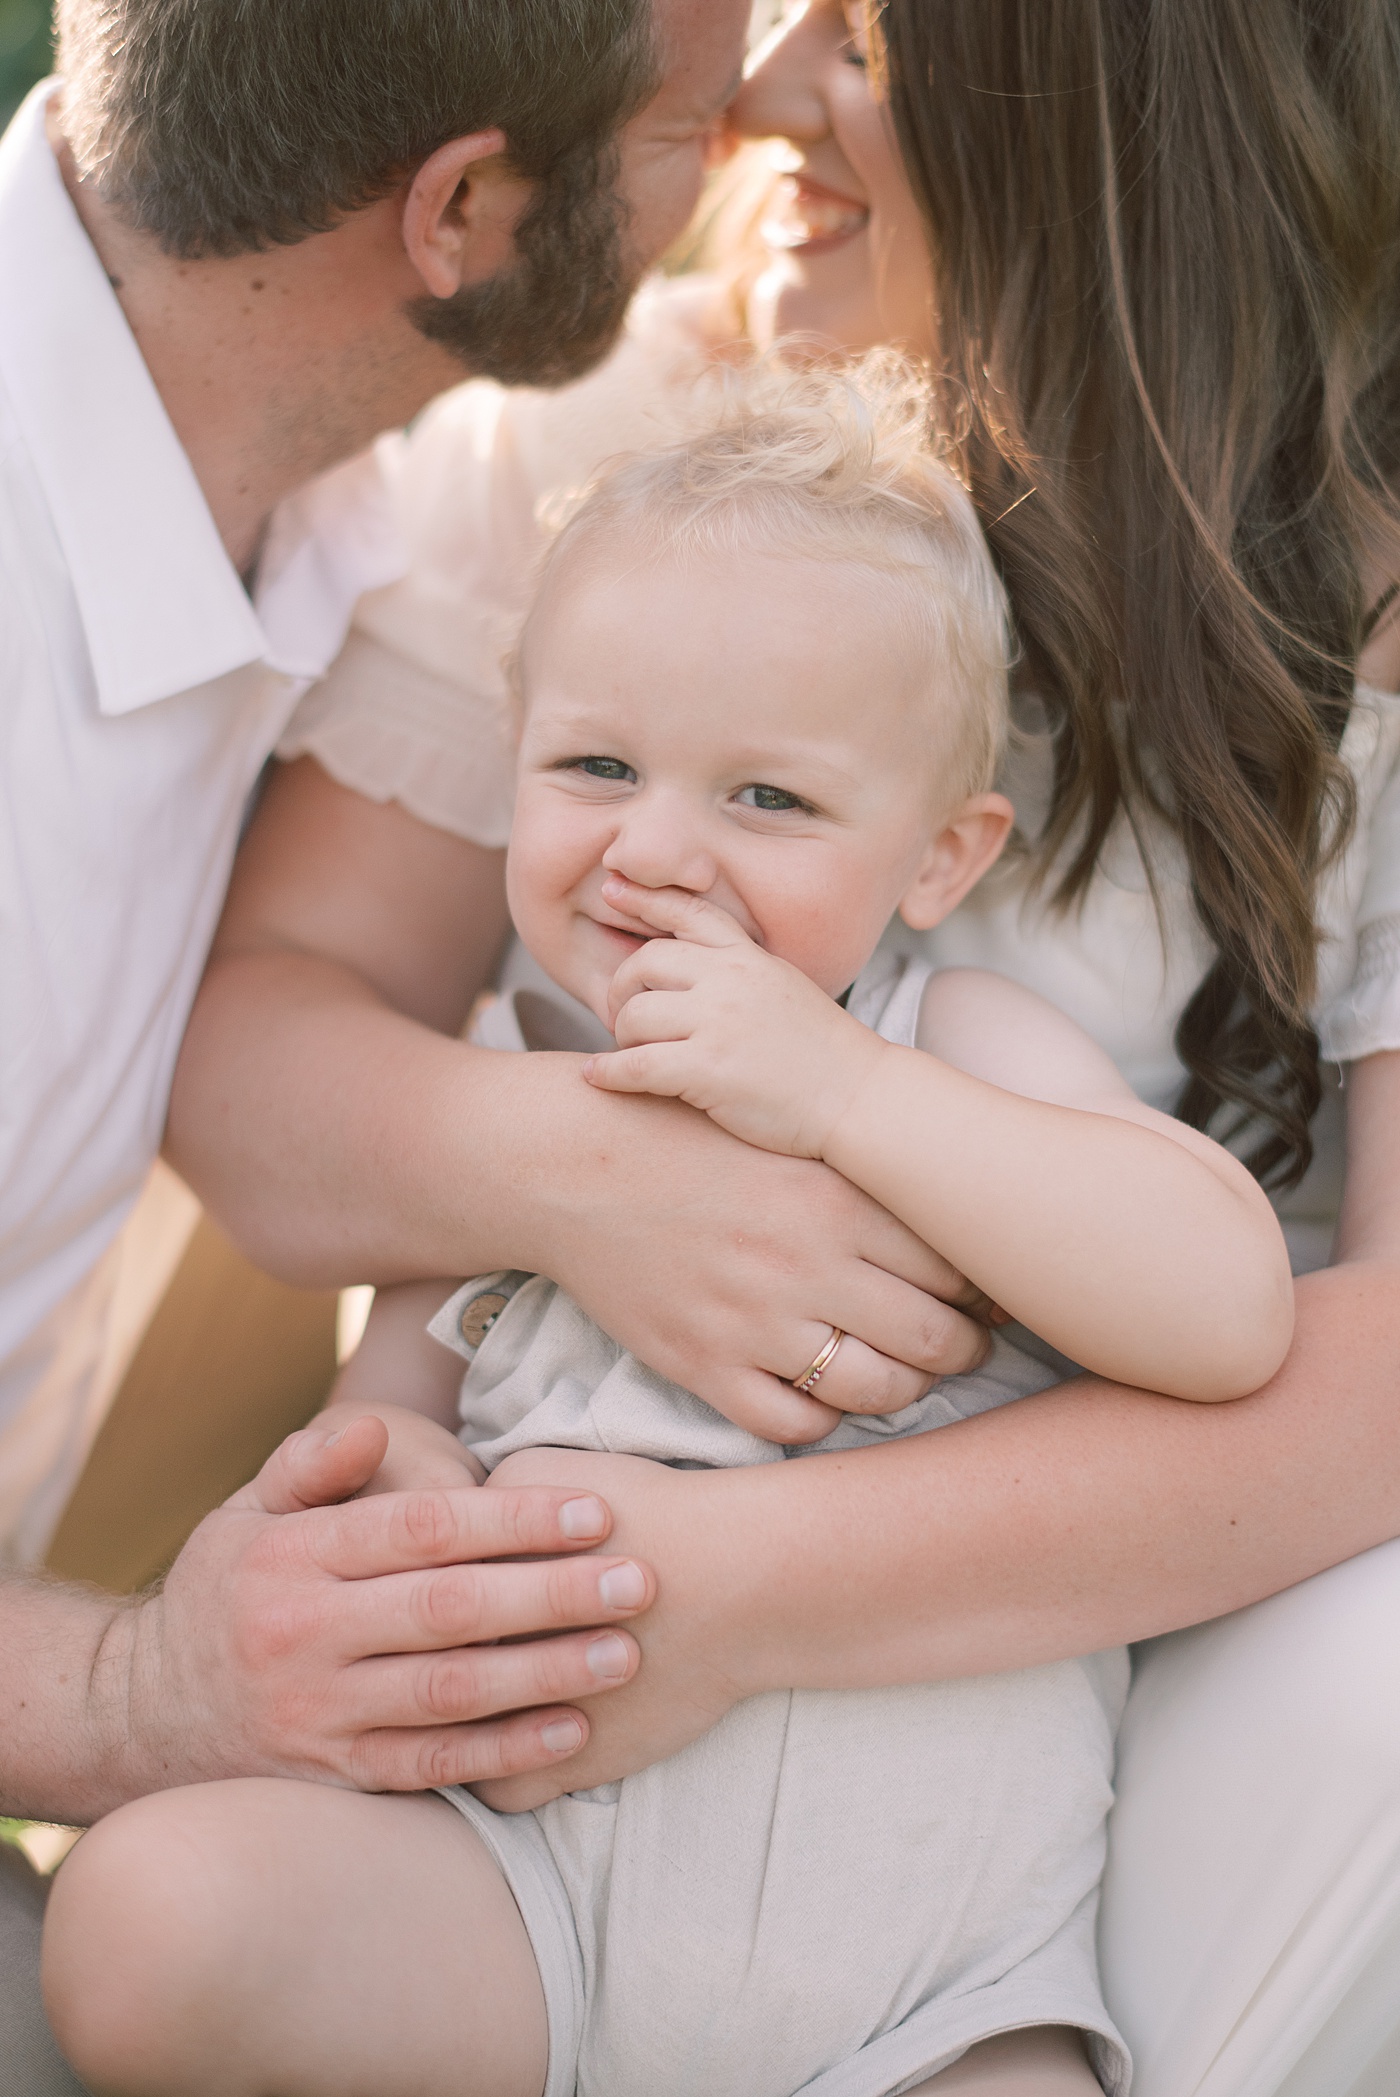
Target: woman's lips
(805, 215)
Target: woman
(1161, 288)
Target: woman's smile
(849, 262)
(807, 217)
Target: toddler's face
(750, 729)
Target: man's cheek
(664, 188)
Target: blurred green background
(25, 52)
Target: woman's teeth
(803, 216)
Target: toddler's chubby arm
(1007, 1139)
(404, 1378)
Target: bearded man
(237, 240)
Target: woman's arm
(326, 1115)
(1071, 1521)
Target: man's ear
(956, 858)
(461, 211)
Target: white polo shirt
(140, 693)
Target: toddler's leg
(235, 1939)
(1048, 2062)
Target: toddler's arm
(408, 1381)
(1007, 1140)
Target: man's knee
(140, 1925)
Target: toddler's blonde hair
(829, 465)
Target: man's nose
(782, 95)
(658, 846)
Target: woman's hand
(694, 1666)
(704, 1014)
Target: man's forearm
(63, 1732)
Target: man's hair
(221, 127)
(834, 466)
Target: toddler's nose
(657, 848)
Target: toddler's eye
(772, 799)
(611, 768)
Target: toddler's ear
(956, 858)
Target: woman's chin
(823, 293)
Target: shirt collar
(161, 603)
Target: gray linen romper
(832, 1892)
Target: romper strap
(899, 1022)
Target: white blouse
(415, 710)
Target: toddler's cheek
(538, 906)
(831, 924)
(553, 852)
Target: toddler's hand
(703, 1014)
(421, 1454)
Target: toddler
(762, 698)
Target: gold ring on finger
(810, 1378)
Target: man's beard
(554, 311)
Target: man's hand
(704, 1014)
(356, 1643)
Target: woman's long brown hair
(1166, 239)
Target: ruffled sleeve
(380, 724)
(1361, 1017)
(416, 709)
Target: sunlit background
(24, 51)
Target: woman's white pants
(1250, 1929)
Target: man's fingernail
(332, 1439)
(562, 1735)
(581, 1518)
(608, 1657)
(623, 1587)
